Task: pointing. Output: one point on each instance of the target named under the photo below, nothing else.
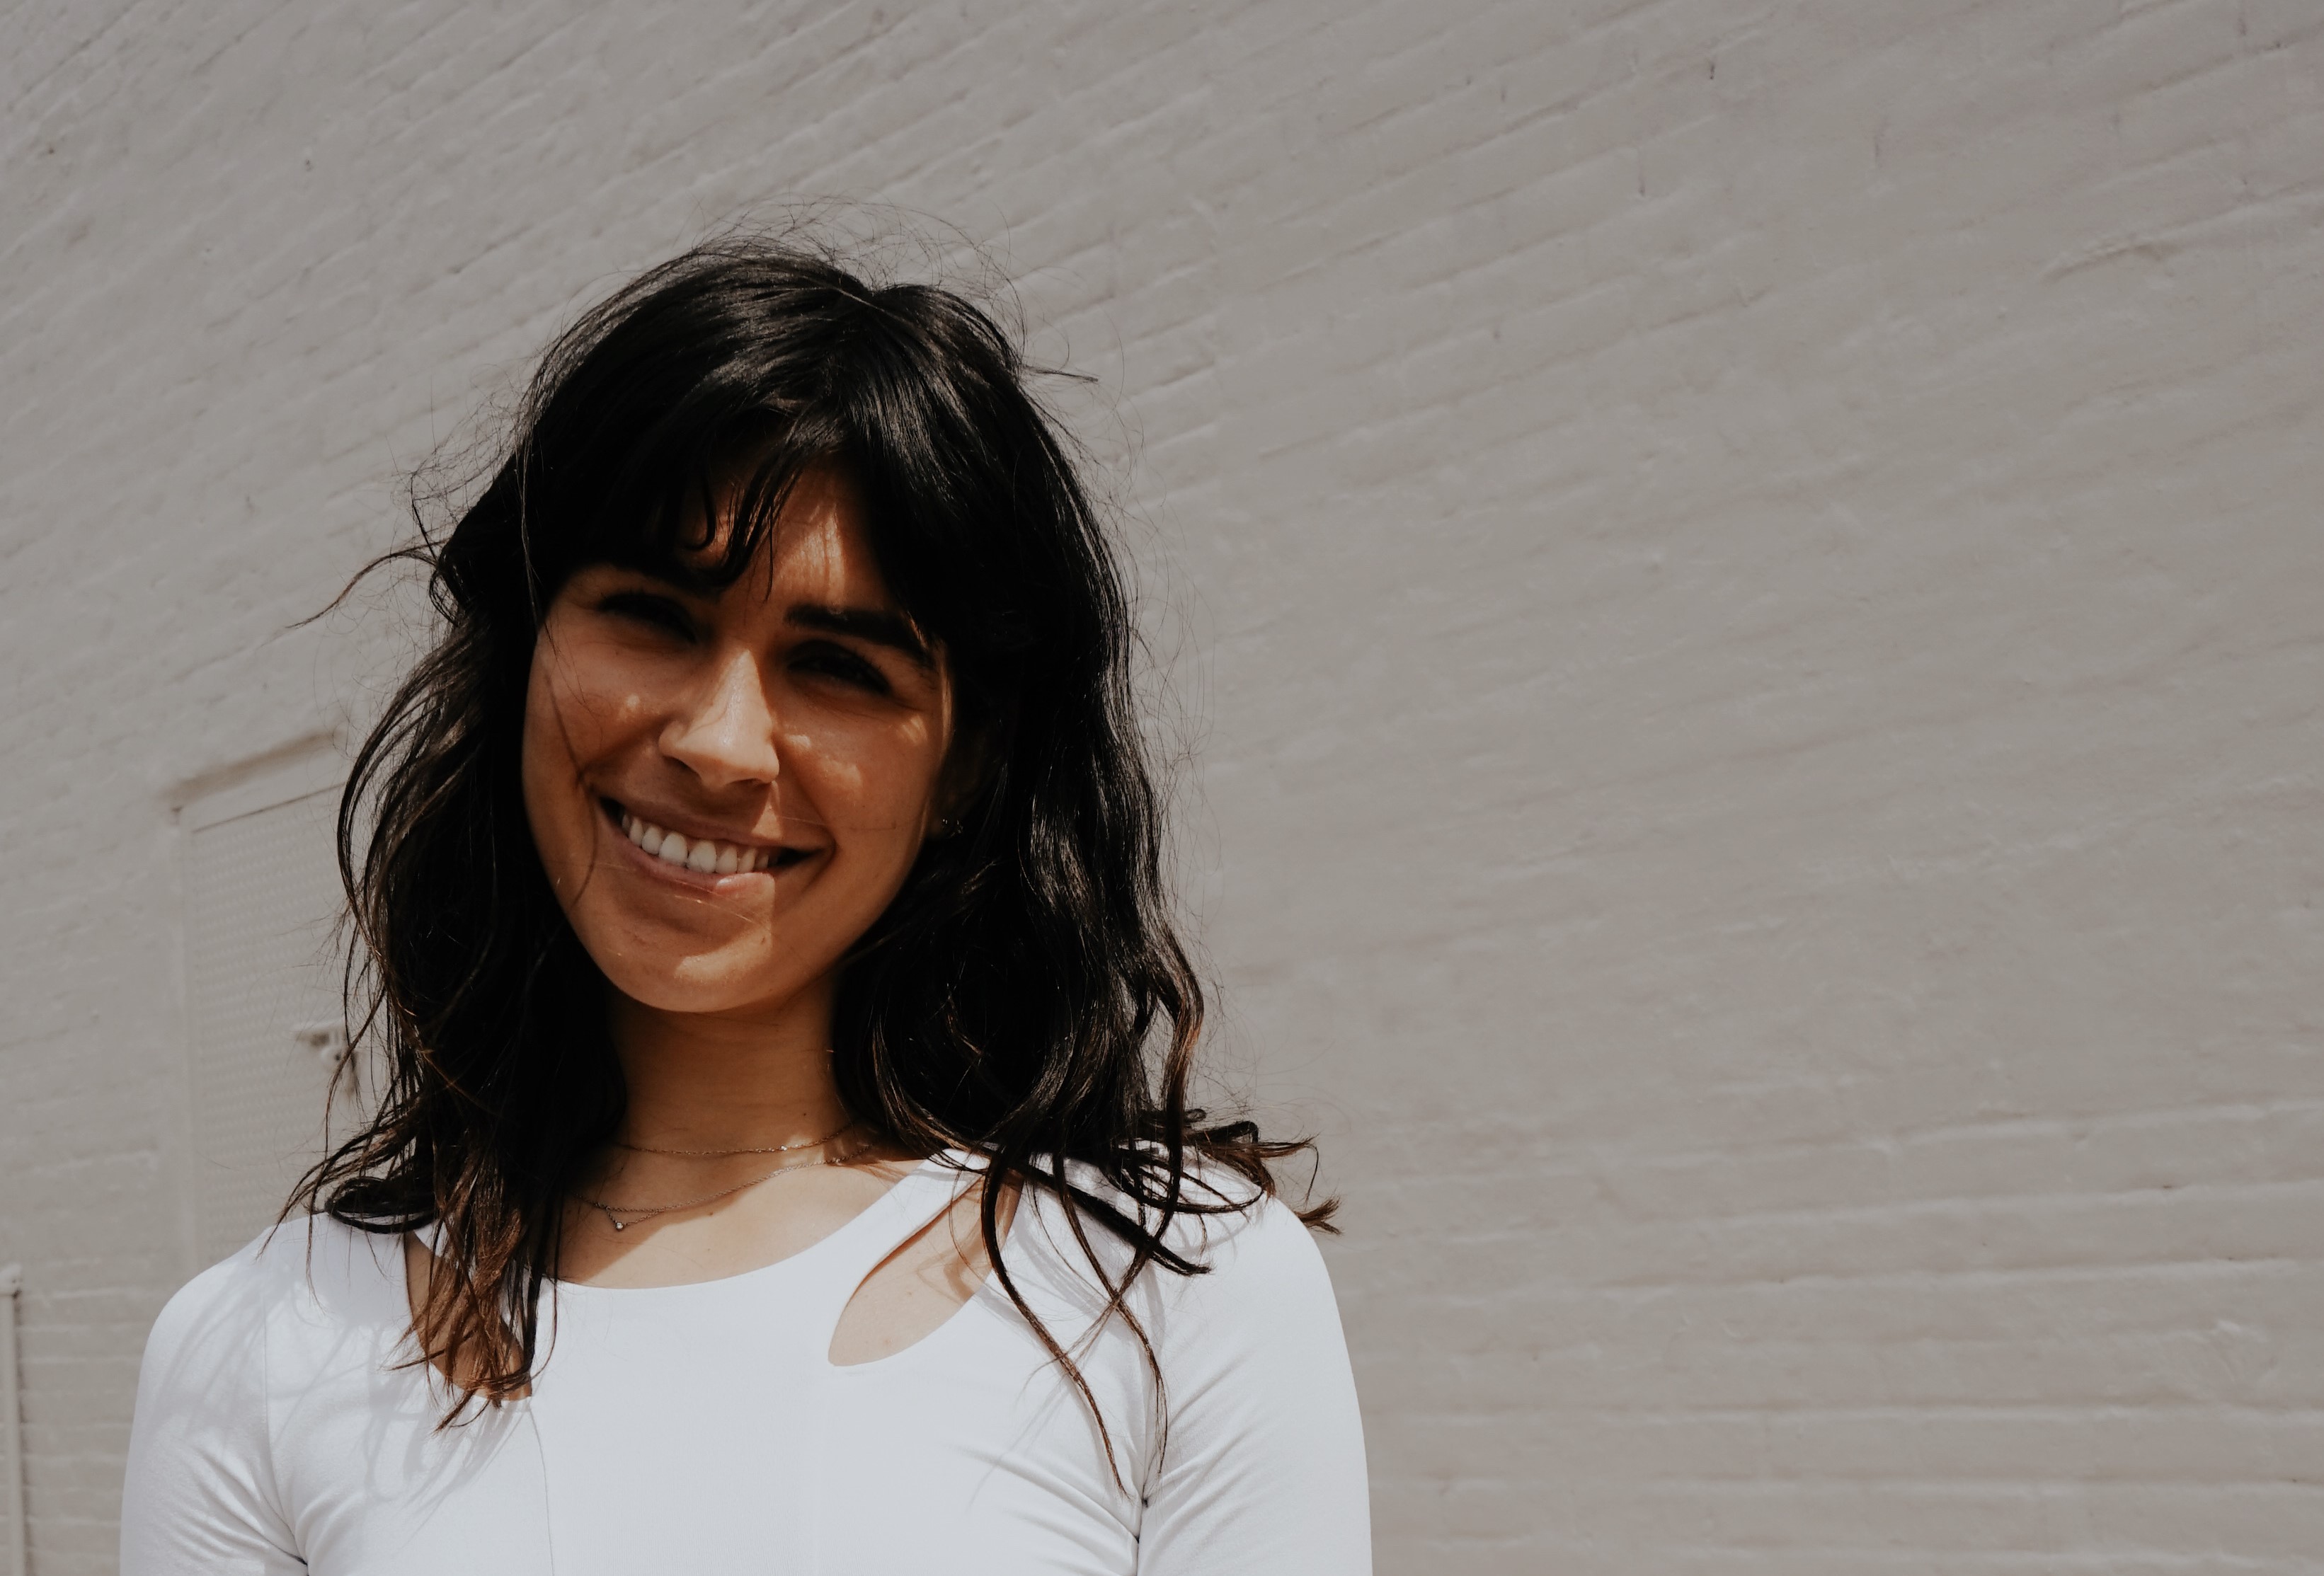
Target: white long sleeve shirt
(282, 1425)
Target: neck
(717, 1081)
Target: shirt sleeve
(199, 1495)
(1262, 1453)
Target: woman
(758, 882)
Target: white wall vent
(263, 983)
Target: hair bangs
(688, 493)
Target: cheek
(873, 783)
(568, 724)
(581, 703)
(547, 775)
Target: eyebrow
(891, 630)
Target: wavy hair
(1024, 997)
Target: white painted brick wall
(1752, 567)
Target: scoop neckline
(840, 1233)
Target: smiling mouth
(701, 856)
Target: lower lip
(697, 880)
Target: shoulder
(1229, 1225)
(313, 1270)
(200, 1488)
(1259, 1465)
(216, 1319)
(1261, 1273)
(1245, 1248)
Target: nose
(726, 735)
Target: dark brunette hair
(1024, 997)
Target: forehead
(817, 549)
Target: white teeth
(701, 854)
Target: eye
(646, 607)
(827, 659)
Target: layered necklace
(621, 1217)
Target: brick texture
(1738, 579)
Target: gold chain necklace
(711, 1154)
(613, 1212)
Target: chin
(688, 992)
(693, 980)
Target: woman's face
(726, 790)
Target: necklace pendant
(619, 1226)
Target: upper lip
(692, 827)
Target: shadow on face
(728, 786)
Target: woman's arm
(200, 1493)
(1262, 1466)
